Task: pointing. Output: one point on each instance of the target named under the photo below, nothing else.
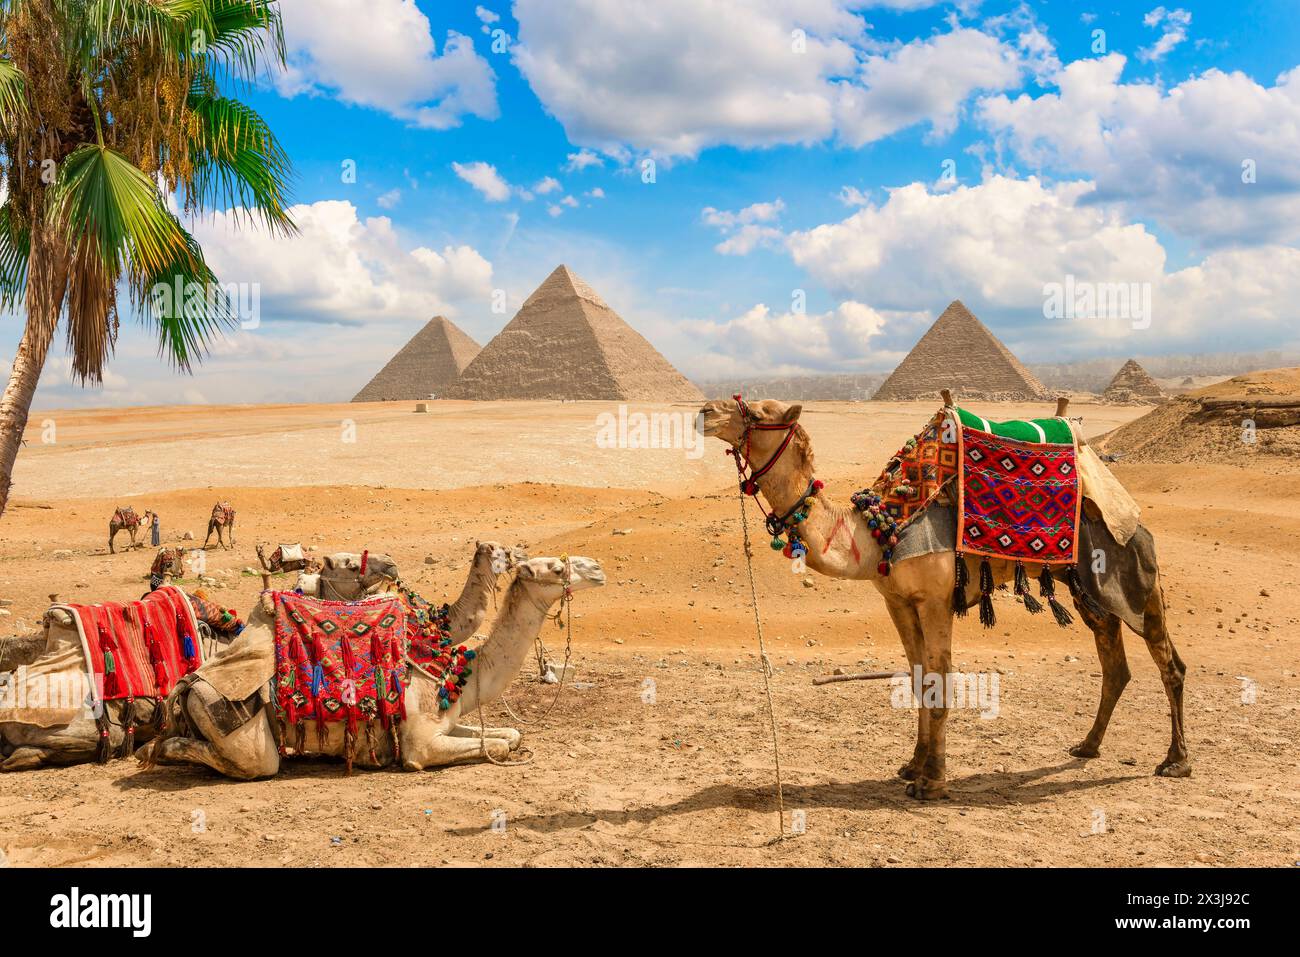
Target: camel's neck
(502, 655)
(838, 539)
(467, 611)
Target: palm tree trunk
(46, 280)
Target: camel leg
(209, 535)
(935, 615)
(25, 759)
(510, 735)
(112, 534)
(908, 627)
(1107, 632)
(440, 750)
(1177, 763)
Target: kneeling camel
(429, 737)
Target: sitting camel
(46, 718)
(919, 591)
(125, 518)
(223, 517)
(431, 736)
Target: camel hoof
(1084, 750)
(924, 790)
(1174, 769)
(908, 772)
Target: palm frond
(245, 34)
(15, 250)
(13, 95)
(238, 162)
(116, 222)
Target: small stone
(429, 559)
(809, 583)
(62, 553)
(188, 537)
(622, 531)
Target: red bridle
(749, 483)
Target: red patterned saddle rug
(1019, 500)
(139, 649)
(223, 513)
(125, 517)
(340, 661)
(1016, 500)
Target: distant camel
(125, 518)
(223, 516)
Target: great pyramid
(960, 353)
(566, 343)
(1132, 383)
(425, 366)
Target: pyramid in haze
(960, 353)
(1132, 382)
(566, 343)
(431, 361)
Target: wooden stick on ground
(864, 676)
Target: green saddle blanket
(1052, 430)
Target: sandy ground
(662, 755)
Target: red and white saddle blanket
(139, 649)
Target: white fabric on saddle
(248, 662)
(291, 553)
(57, 677)
(1098, 485)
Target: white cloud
(595, 193)
(925, 80)
(570, 202)
(383, 55)
(763, 342)
(745, 229)
(1174, 23)
(554, 210)
(997, 244)
(547, 184)
(580, 160)
(342, 269)
(690, 76)
(484, 178)
(1176, 153)
(389, 199)
(486, 15)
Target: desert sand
(660, 754)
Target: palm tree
(107, 109)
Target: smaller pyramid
(959, 353)
(567, 343)
(1132, 382)
(430, 362)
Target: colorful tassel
(987, 617)
(961, 578)
(1032, 605)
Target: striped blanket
(139, 649)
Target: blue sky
(799, 220)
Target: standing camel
(918, 592)
(431, 736)
(125, 518)
(223, 517)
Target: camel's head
(497, 558)
(549, 575)
(725, 419)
